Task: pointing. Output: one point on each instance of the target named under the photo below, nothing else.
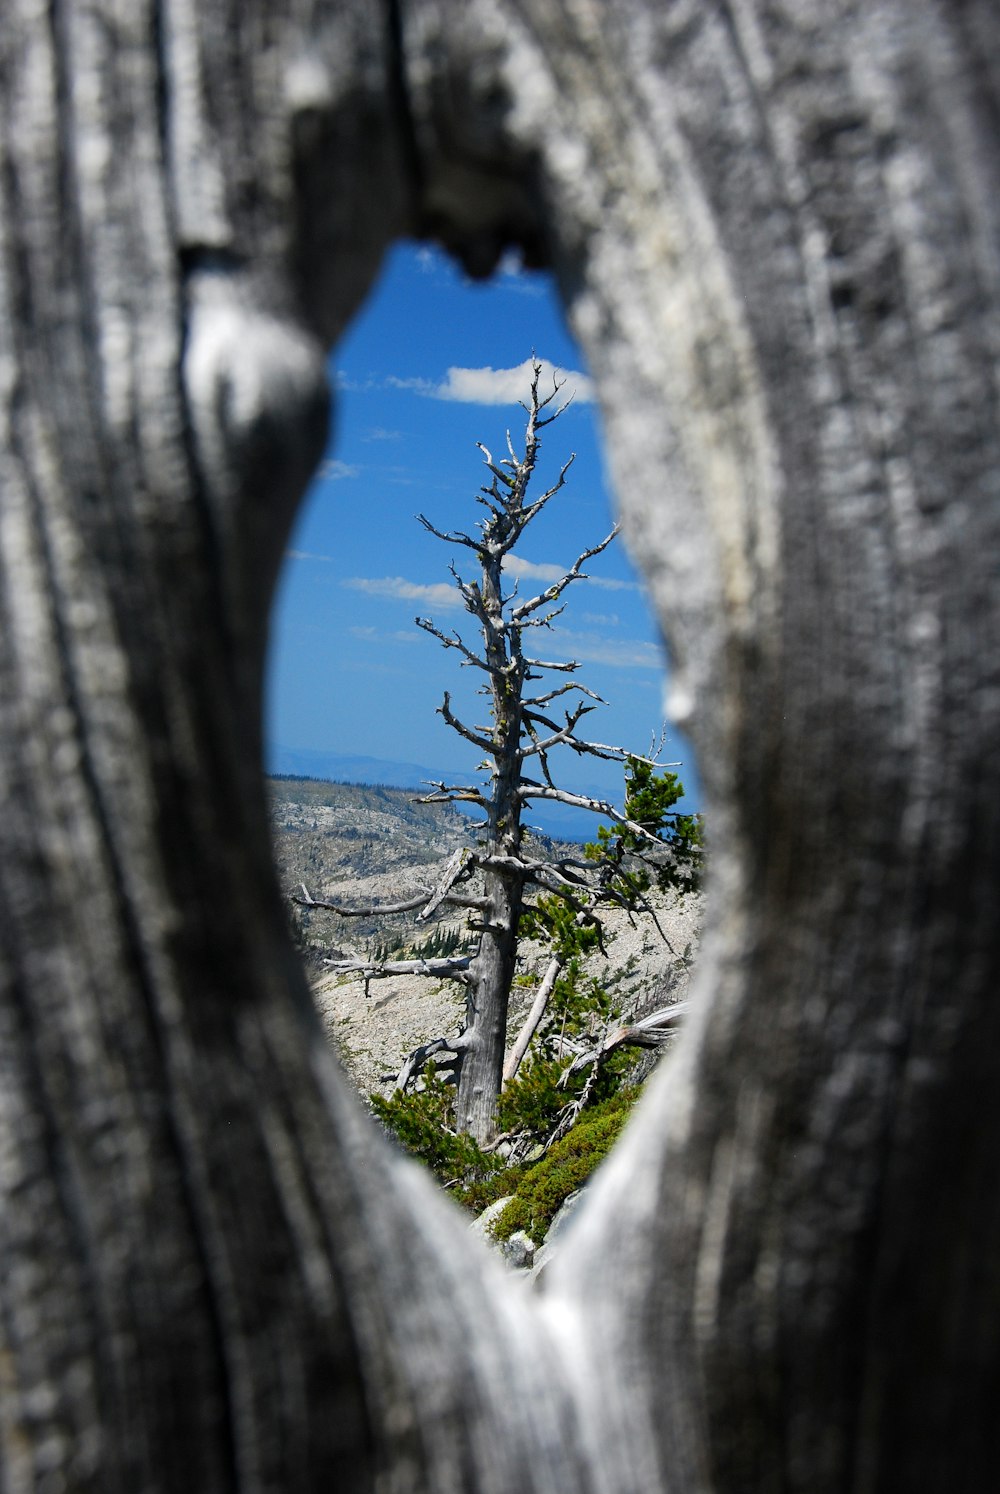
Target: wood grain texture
(775, 228)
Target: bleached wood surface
(775, 228)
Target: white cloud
(530, 571)
(342, 380)
(514, 277)
(333, 470)
(378, 635)
(419, 386)
(511, 264)
(439, 594)
(308, 555)
(506, 386)
(379, 433)
(601, 619)
(487, 386)
(609, 585)
(591, 648)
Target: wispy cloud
(601, 619)
(439, 594)
(419, 386)
(591, 648)
(308, 555)
(381, 636)
(334, 470)
(343, 380)
(609, 585)
(514, 277)
(529, 570)
(379, 433)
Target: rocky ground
(364, 846)
(374, 1031)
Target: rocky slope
(365, 846)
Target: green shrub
(533, 1101)
(539, 1191)
(423, 1123)
(479, 1192)
(580, 1014)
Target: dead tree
(517, 745)
(776, 230)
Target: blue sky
(431, 366)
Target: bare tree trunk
(776, 230)
(481, 1073)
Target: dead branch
(536, 622)
(534, 508)
(557, 386)
(471, 594)
(497, 469)
(450, 898)
(565, 736)
(520, 867)
(421, 1056)
(483, 743)
(454, 899)
(369, 910)
(455, 537)
(651, 1031)
(447, 880)
(553, 592)
(543, 874)
(451, 967)
(453, 793)
(540, 750)
(452, 640)
(541, 700)
(530, 1025)
(527, 790)
(567, 667)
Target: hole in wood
(386, 712)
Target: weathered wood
(536, 1012)
(444, 885)
(450, 966)
(777, 233)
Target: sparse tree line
(438, 944)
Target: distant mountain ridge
(370, 847)
(336, 767)
(339, 767)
